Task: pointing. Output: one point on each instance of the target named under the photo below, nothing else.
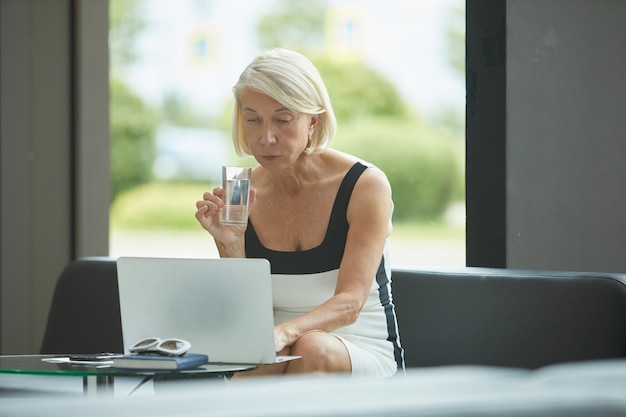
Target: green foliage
(132, 139)
(158, 205)
(171, 206)
(125, 21)
(176, 111)
(358, 91)
(455, 39)
(293, 24)
(132, 123)
(345, 81)
(421, 163)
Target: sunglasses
(170, 347)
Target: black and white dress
(303, 280)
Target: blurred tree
(300, 25)
(345, 81)
(176, 111)
(125, 22)
(133, 124)
(293, 24)
(375, 123)
(423, 163)
(455, 38)
(133, 127)
(420, 161)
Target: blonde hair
(291, 79)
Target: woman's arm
(369, 217)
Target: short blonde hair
(291, 79)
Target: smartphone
(93, 357)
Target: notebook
(223, 307)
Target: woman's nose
(267, 136)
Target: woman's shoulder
(345, 160)
(371, 177)
(371, 196)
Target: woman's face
(276, 135)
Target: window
(395, 72)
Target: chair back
(85, 311)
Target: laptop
(223, 307)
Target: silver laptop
(223, 307)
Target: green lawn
(427, 231)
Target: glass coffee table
(98, 379)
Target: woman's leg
(321, 353)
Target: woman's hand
(281, 340)
(208, 214)
(209, 210)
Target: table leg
(98, 385)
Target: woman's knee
(321, 352)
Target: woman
(321, 218)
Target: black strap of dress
(325, 257)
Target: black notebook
(156, 361)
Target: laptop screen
(223, 307)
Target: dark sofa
(475, 316)
(473, 338)
(506, 317)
